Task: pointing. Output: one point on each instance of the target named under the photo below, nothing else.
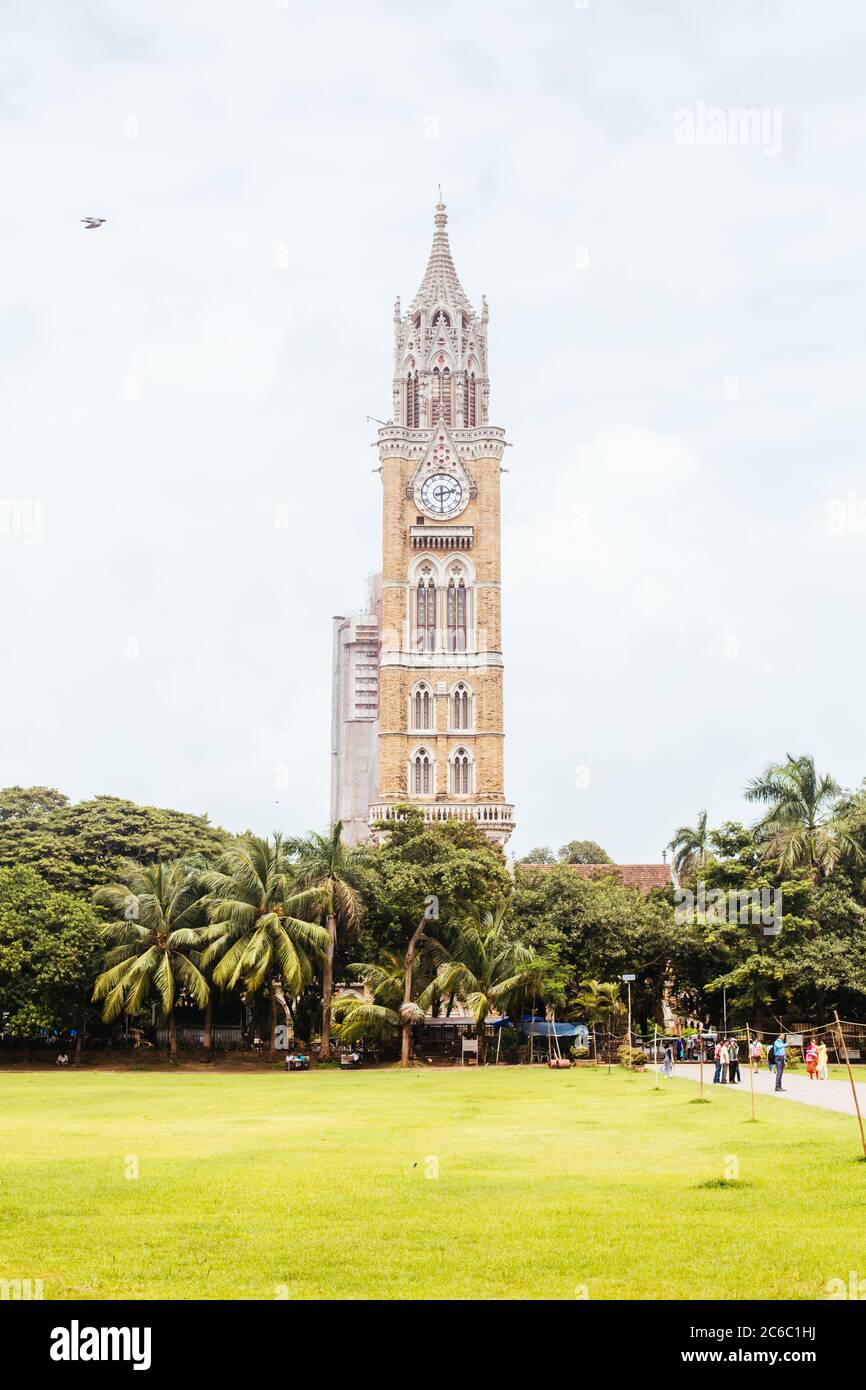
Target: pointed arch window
(425, 615)
(442, 395)
(471, 415)
(461, 775)
(422, 773)
(456, 614)
(461, 708)
(413, 419)
(422, 709)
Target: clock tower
(440, 710)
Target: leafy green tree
(440, 869)
(690, 846)
(802, 826)
(78, 847)
(25, 804)
(600, 928)
(540, 855)
(50, 944)
(253, 935)
(583, 852)
(334, 871)
(155, 942)
(817, 959)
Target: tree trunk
(172, 1037)
(79, 1036)
(272, 1041)
(208, 1029)
(328, 990)
(411, 950)
(481, 1032)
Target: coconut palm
(328, 866)
(254, 939)
(156, 941)
(690, 846)
(598, 1002)
(377, 1015)
(802, 826)
(487, 970)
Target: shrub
(632, 1057)
(578, 1053)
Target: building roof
(642, 876)
(441, 283)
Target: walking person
(823, 1070)
(812, 1061)
(756, 1055)
(771, 1057)
(734, 1051)
(717, 1057)
(780, 1048)
(668, 1063)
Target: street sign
(629, 977)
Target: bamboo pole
(851, 1079)
(701, 1060)
(751, 1067)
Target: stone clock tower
(440, 711)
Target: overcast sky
(677, 355)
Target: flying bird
(91, 222)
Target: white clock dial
(441, 494)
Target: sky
(675, 285)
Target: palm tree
(157, 941)
(328, 866)
(597, 1002)
(253, 935)
(801, 826)
(486, 969)
(690, 846)
(378, 1015)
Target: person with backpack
(780, 1047)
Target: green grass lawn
(315, 1186)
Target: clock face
(441, 495)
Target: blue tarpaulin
(540, 1028)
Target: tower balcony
(440, 537)
(495, 818)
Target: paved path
(827, 1095)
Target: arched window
(456, 614)
(471, 414)
(425, 615)
(461, 773)
(422, 709)
(413, 420)
(422, 773)
(441, 403)
(461, 708)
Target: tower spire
(441, 283)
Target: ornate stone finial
(396, 308)
(484, 309)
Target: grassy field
(323, 1185)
